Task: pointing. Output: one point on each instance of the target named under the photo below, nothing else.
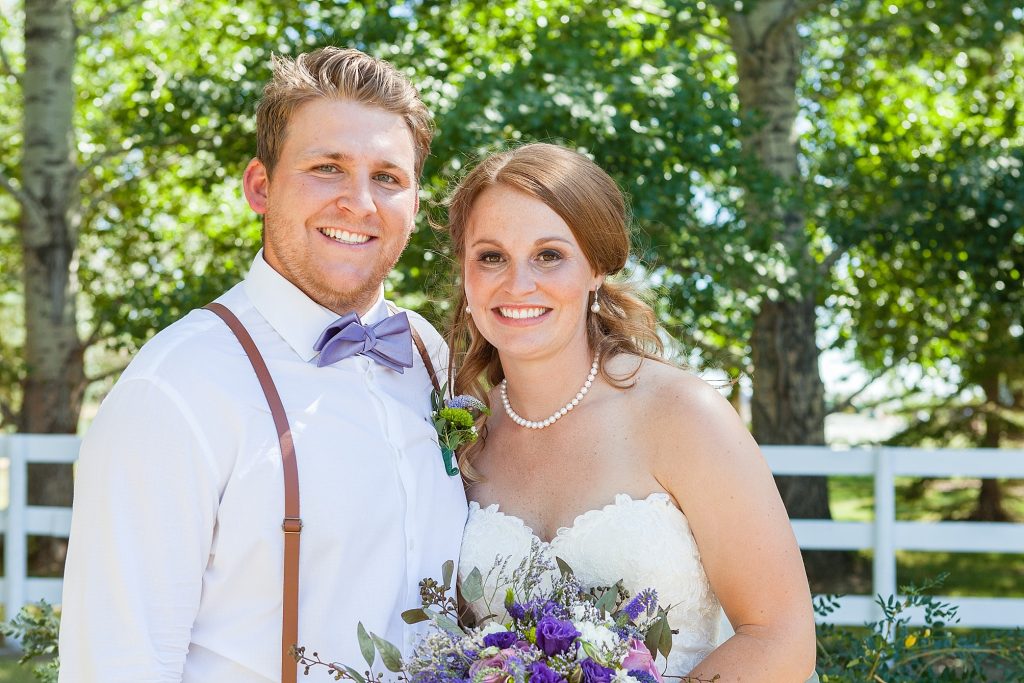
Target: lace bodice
(644, 542)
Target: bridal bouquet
(545, 631)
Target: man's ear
(256, 183)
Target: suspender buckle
(292, 525)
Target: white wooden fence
(884, 535)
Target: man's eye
(326, 168)
(385, 178)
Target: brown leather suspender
(292, 524)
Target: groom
(175, 567)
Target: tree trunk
(55, 377)
(788, 404)
(990, 495)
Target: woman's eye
(489, 257)
(549, 256)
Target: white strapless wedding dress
(645, 542)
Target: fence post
(15, 541)
(884, 574)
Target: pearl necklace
(558, 414)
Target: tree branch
(107, 373)
(847, 402)
(830, 261)
(7, 414)
(28, 205)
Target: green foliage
(893, 651)
(36, 627)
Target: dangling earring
(596, 307)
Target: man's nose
(356, 197)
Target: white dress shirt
(174, 570)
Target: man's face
(340, 204)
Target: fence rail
(884, 535)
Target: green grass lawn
(12, 672)
(974, 574)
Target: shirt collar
(293, 315)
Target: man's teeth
(520, 313)
(345, 236)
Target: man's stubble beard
(299, 273)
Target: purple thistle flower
(465, 402)
(645, 601)
(516, 611)
(642, 676)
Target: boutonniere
(453, 419)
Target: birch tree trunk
(788, 405)
(55, 378)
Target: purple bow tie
(388, 342)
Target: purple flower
(642, 676)
(498, 663)
(645, 601)
(595, 673)
(542, 673)
(640, 659)
(516, 611)
(500, 640)
(555, 636)
(465, 402)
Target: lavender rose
(542, 673)
(639, 658)
(595, 673)
(499, 661)
(555, 636)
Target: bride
(616, 461)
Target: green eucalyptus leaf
(365, 644)
(447, 571)
(389, 654)
(414, 616)
(473, 586)
(356, 676)
(447, 624)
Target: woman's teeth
(344, 236)
(520, 313)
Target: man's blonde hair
(334, 73)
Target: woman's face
(527, 280)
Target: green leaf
(389, 654)
(365, 644)
(473, 586)
(447, 624)
(665, 644)
(653, 638)
(447, 571)
(414, 616)
(606, 603)
(563, 566)
(356, 676)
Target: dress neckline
(621, 499)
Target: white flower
(622, 676)
(492, 627)
(601, 637)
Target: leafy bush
(36, 627)
(890, 650)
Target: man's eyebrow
(342, 157)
